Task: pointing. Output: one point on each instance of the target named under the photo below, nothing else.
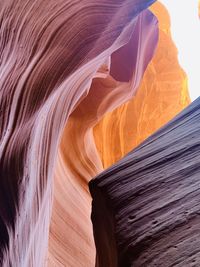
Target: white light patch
(185, 27)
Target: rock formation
(65, 67)
(163, 93)
(146, 209)
(110, 88)
(50, 52)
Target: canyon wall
(50, 51)
(162, 94)
(82, 84)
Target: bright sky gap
(185, 27)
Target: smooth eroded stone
(50, 52)
(78, 160)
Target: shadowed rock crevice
(105, 235)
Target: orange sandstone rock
(162, 94)
(51, 51)
(71, 239)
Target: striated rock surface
(78, 160)
(115, 82)
(52, 54)
(146, 209)
(64, 65)
(163, 93)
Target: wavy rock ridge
(50, 52)
(65, 65)
(110, 88)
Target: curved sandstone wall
(82, 83)
(162, 94)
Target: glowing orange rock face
(51, 51)
(53, 55)
(162, 94)
(71, 239)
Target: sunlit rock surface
(146, 209)
(64, 65)
(78, 159)
(162, 94)
(50, 53)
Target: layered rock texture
(50, 52)
(78, 159)
(146, 209)
(65, 67)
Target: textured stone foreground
(146, 207)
